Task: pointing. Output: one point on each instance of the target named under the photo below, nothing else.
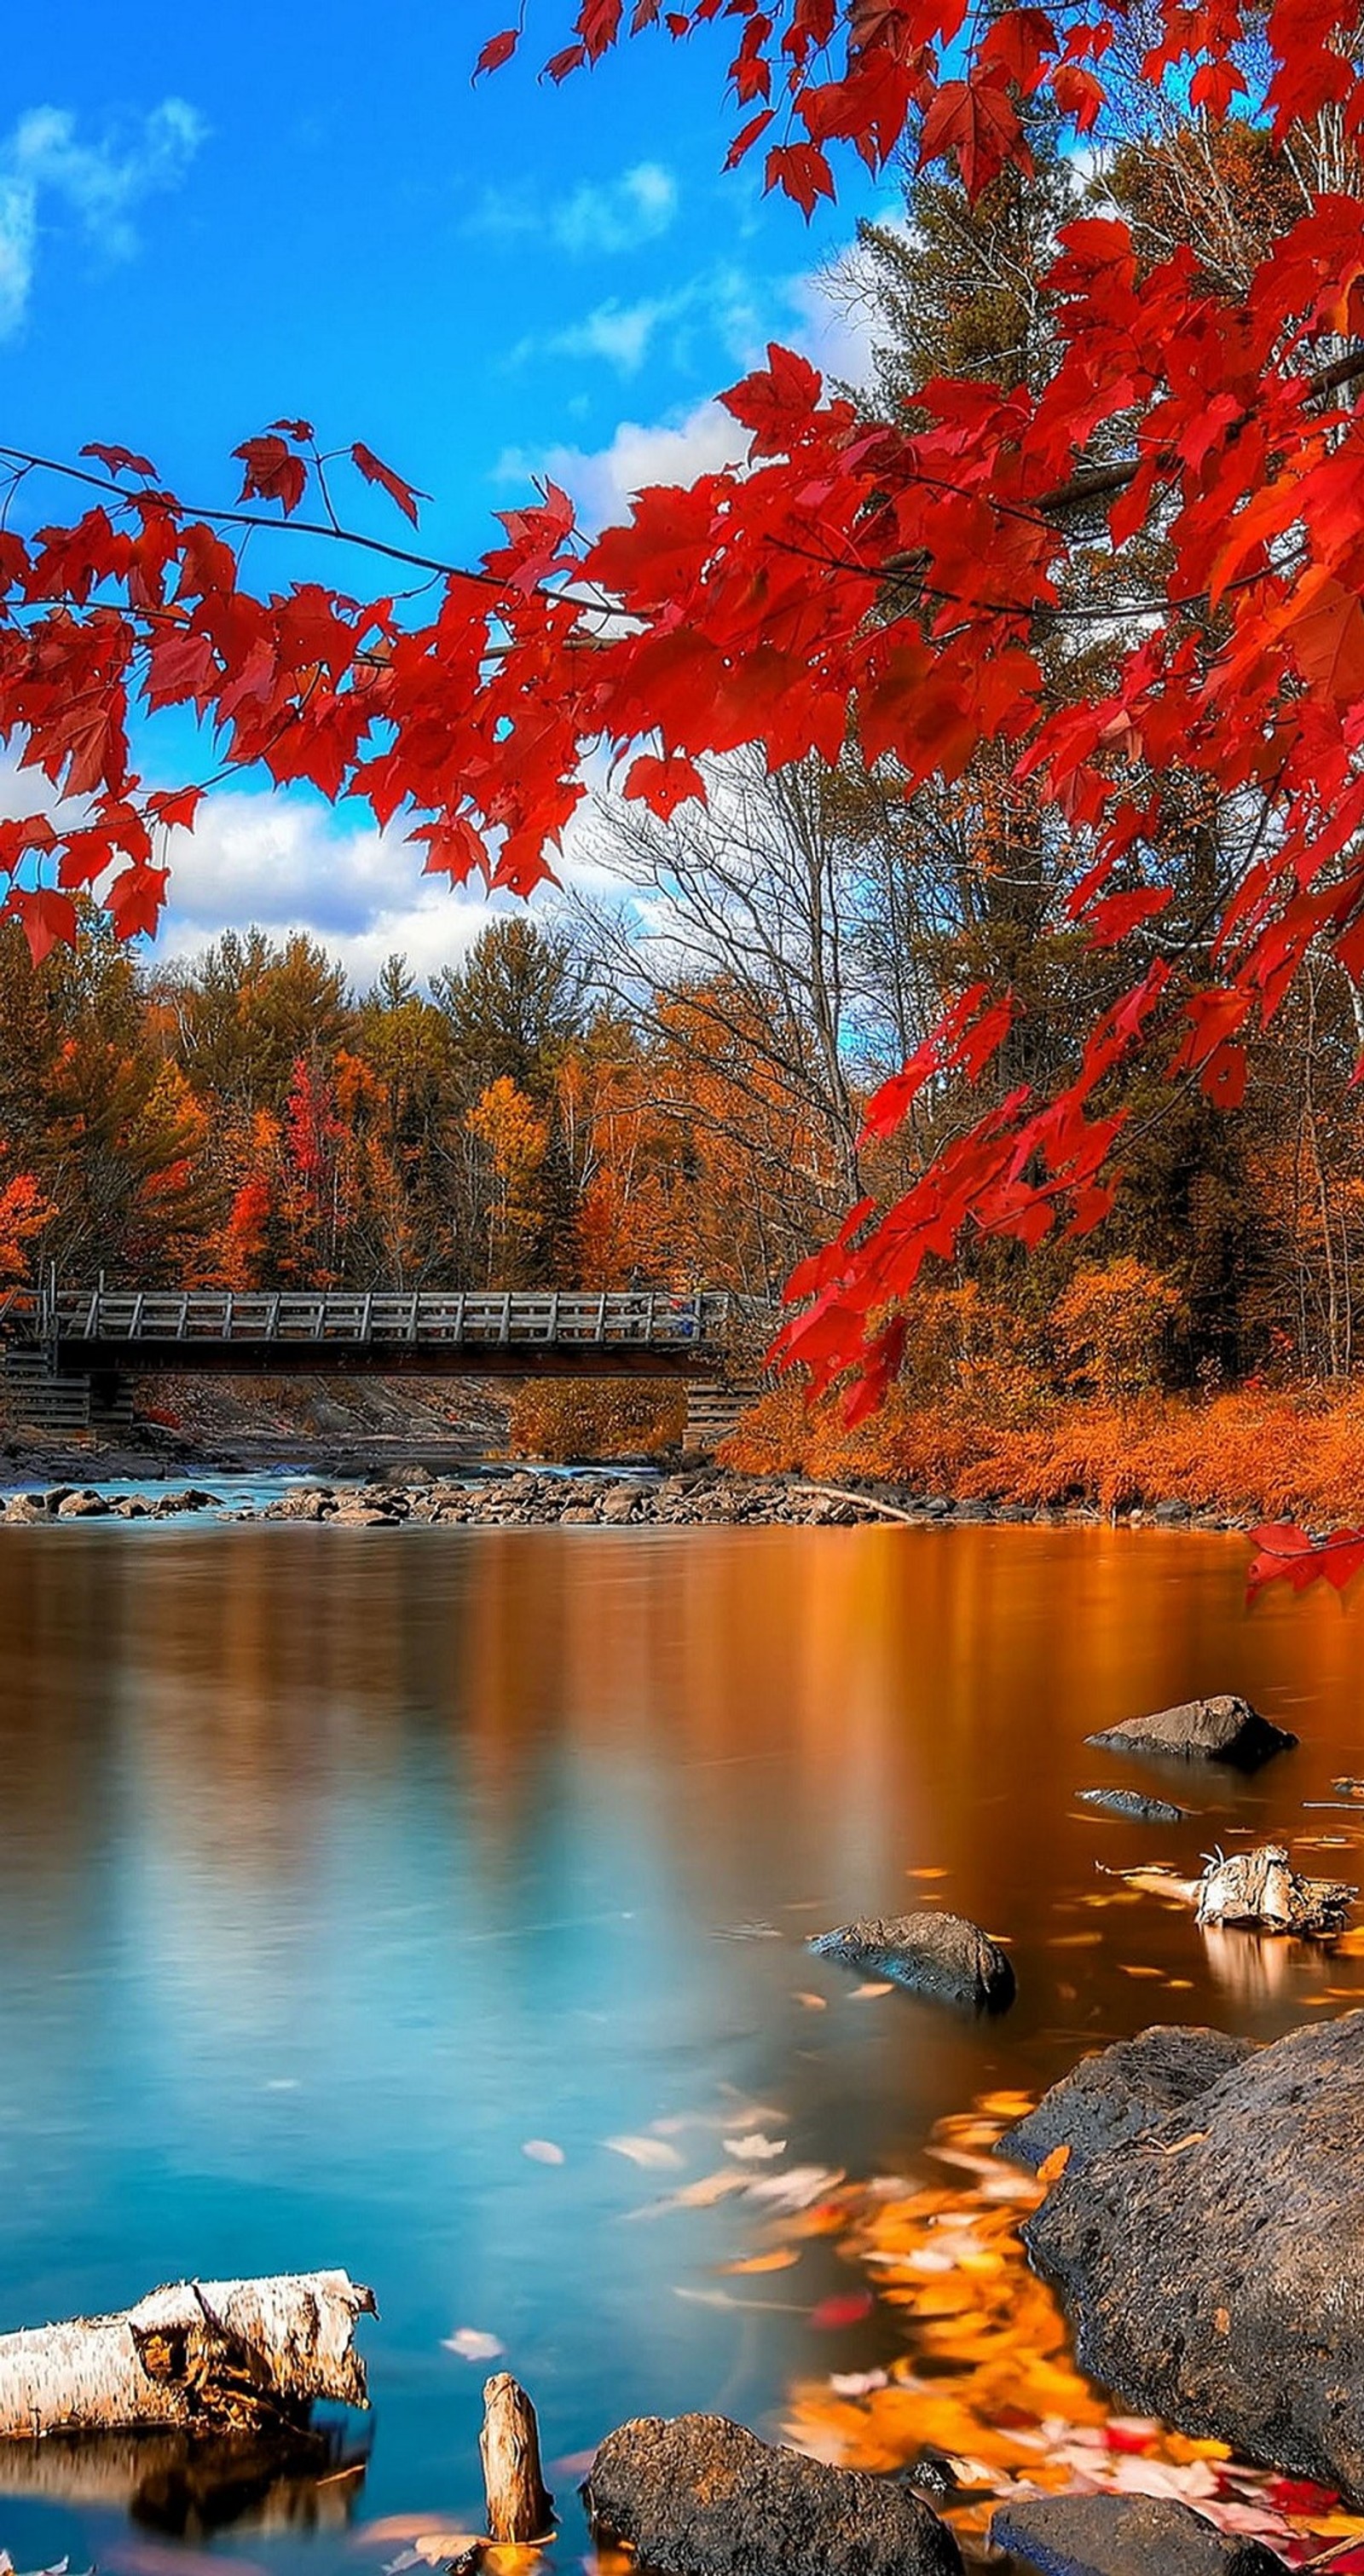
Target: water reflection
(335, 1869)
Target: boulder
(699, 2496)
(1214, 2264)
(938, 1955)
(83, 1507)
(1224, 1728)
(1130, 1803)
(1127, 2535)
(1127, 2088)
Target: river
(339, 1871)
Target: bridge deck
(427, 1332)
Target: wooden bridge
(103, 1332)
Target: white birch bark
(195, 2355)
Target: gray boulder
(699, 2496)
(1224, 1728)
(1214, 2264)
(1116, 2095)
(1130, 1803)
(938, 1955)
(1109, 2535)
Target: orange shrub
(1260, 1453)
(1111, 1326)
(565, 1418)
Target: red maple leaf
(801, 171)
(135, 900)
(663, 785)
(46, 918)
(977, 123)
(272, 472)
(375, 471)
(121, 460)
(497, 51)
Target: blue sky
(211, 217)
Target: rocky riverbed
(421, 1496)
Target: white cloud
(636, 208)
(599, 218)
(282, 861)
(97, 185)
(620, 333)
(834, 333)
(603, 483)
(720, 308)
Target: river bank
(427, 1496)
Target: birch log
(196, 2356)
(519, 2509)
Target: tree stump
(520, 2508)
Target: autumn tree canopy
(900, 585)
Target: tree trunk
(519, 2508)
(211, 2355)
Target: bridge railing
(564, 1318)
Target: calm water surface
(334, 1870)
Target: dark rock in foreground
(1128, 2088)
(939, 1955)
(1224, 1728)
(1130, 1803)
(699, 2496)
(1109, 2535)
(1214, 2265)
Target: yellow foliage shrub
(565, 1418)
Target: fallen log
(520, 2511)
(1258, 1891)
(195, 2356)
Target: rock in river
(1214, 2264)
(1224, 1728)
(1127, 2088)
(1130, 1803)
(939, 1955)
(1110, 2535)
(699, 2496)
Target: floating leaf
(472, 2344)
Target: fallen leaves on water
(812, 2003)
(781, 2258)
(755, 2148)
(873, 1986)
(799, 2188)
(986, 2372)
(1053, 2166)
(542, 2151)
(844, 2308)
(439, 2549)
(654, 2154)
(471, 2344)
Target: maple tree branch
(335, 534)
